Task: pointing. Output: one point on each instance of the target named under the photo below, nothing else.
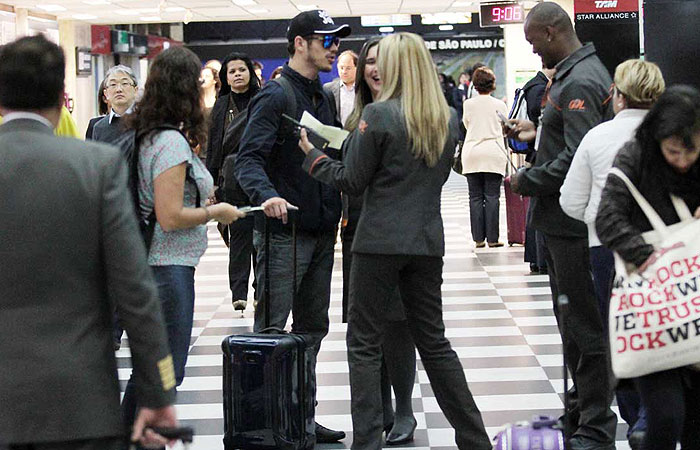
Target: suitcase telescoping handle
(292, 212)
(563, 309)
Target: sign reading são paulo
(496, 43)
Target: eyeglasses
(328, 40)
(122, 84)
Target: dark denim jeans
(673, 415)
(176, 293)
(373, 282)
(484, 194)
(315, 253)
(603, 266)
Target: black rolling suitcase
(269, 399)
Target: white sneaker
(240, 305)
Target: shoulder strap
(681, 208)
(291, 100)
(654, 219)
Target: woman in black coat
(661, 160)
(238, 85)
(399, 242)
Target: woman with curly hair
(174, 184)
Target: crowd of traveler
(128, 259)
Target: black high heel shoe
(401, 436)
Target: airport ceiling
(152, 11)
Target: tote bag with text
(655, 315)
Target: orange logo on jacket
(363, 126)
(577, 105)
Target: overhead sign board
(606, 10)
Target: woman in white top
(484, 157)
(637, 86)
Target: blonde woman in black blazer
(399, 242)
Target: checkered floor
(498, 317)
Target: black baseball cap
(316, 21)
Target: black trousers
(373, 280)
(241, 253)
(585, 341)
(484, 194)
(535, 251)
(672, 399)
(87, 444)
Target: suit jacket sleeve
(132, 289)
(548, 178)
(363, 151)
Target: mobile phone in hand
(504, 120)
(316, 139)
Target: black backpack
(231, 190)
(129, 143)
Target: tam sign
(606, 10)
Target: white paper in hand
(334, 135)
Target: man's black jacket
(577, 101)
(269, 165)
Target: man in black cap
(268, 168)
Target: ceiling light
(41, 19)
(84, 16)
(244, 2)
(127, 12)
(149, 10)
(174, 9)
(51, 8)
(258, 11)
(96, 2)
(386, 29)
(446, 28)
(303, 8)
(150, 19)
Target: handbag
(655, 314)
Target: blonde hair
(640, 82)
(408, 72)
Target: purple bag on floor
(542, 433)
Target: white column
(21, 22)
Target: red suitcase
(516, 212)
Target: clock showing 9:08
(495, 14)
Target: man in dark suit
(58, 375)
(120, 91)
(343, 88)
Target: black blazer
(91, 126)
(215, 156)
(401, 210)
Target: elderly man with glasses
(120, 91)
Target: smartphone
(504, 120)
(316, 139)
(250, 209)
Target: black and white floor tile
(498, 317)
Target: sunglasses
(328, 40)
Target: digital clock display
(495, 14)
